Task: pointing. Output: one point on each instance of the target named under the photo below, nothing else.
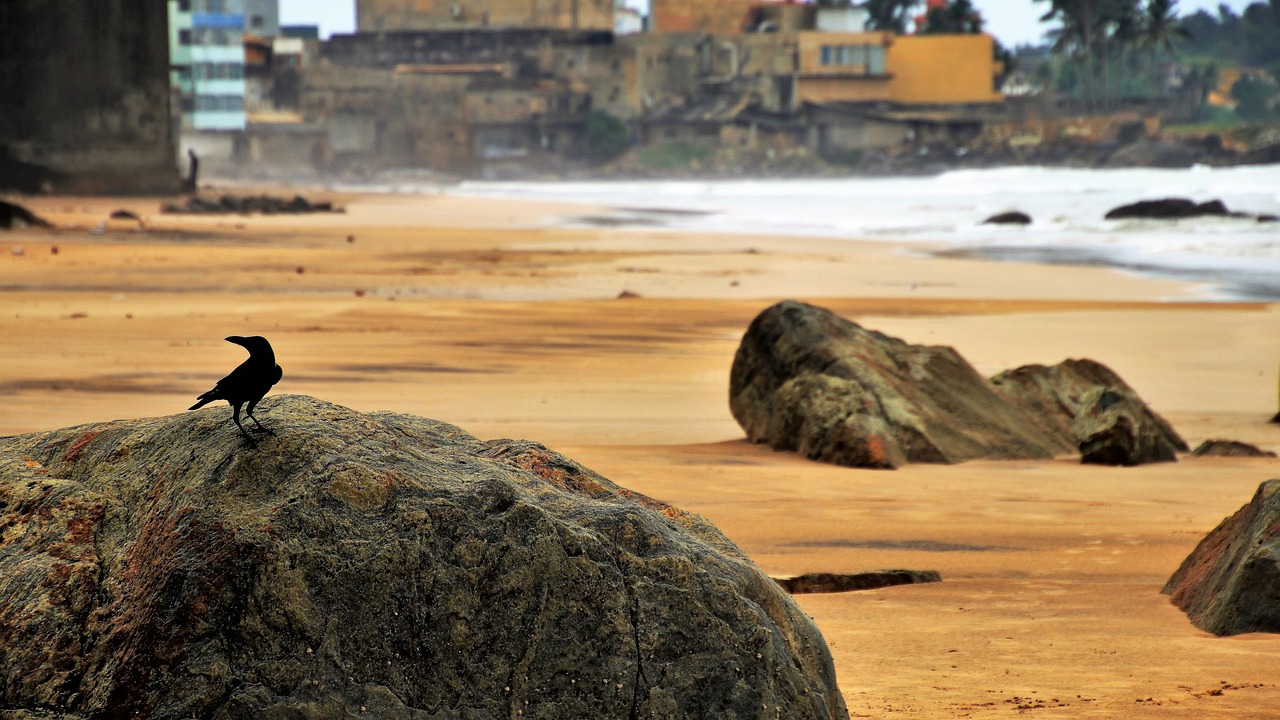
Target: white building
(206, 38)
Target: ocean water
(1235, 258)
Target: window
(184, 6)
(184, 37)
(867, 59)
(875, 60)
(256, 22)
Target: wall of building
(385, 15)
(84, 97)
(940, 69)
(713, 16)
(904, 69)
(262, 17)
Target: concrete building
(207, 39)
(84, 97)
(437, 15)
(262, 18)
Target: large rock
(1091, 404)
(1167, 209)
(1230, 584)
(372, 563)
(807, 380)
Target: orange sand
(484, 314)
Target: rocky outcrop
(13, 215)
(806, 380)
(248, 204)
(1229, 448)
(1167, 209)
(375, 565)
(1229, 584)
(1013, 217)
(1154, 153)
(840, 582)
(1088, 402)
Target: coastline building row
(504, 87)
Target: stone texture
(806, 380)
(839, 582)
(1229, 448)
(1088, 402)
(372, 563)
(1230, 584)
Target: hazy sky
(1013, 22)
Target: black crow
(247, 383)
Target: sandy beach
(613, 346)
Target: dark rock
(1167, 209)
(372, 563)
(1229, 448)
(1230, 583)
(1088, 402)
(1152, 153)
(13, 215)
(1268, 218)
(834, 583)
(249, 204)
(1008, 218)
(123, 214)
(804, 379)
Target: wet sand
(493, 316)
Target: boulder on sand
(1230, 583)
(1229, 448)
(375, 565)
(13, 215)
(804, 379)
(1090, 403)
(807, 380)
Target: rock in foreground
(372, 563)
(1229, 584)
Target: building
(84, 98)
(442, 15)
(207, 41)
(262, 18)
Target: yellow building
(901, 69)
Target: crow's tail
(205, 399)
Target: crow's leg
(236, 416)
(249, 411)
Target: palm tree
(1161, 28)
(891, 15)
(1091, 32)
(957, 17)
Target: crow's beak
(237, 339)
